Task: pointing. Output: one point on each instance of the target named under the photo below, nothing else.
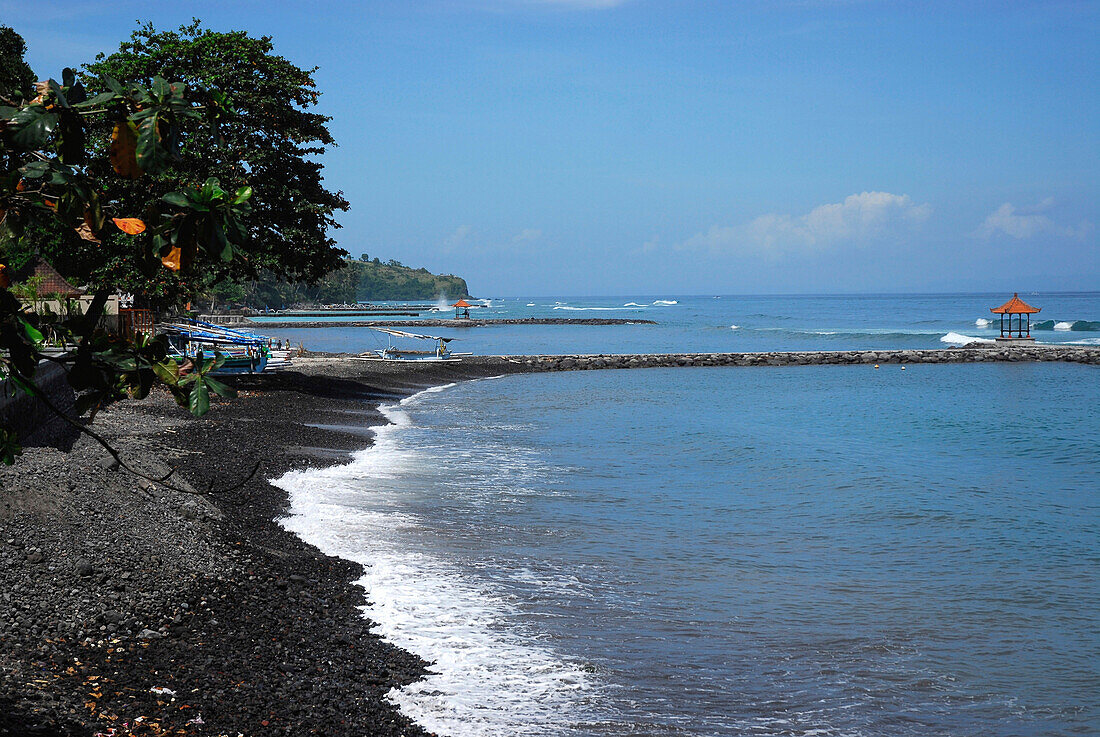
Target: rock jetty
(1072, 354)
(450, 323)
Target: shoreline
(114, 587)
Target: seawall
(1072, 354)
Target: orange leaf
(123, 151)
(133, 226)
(172, 260)
(5, 281)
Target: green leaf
(167, 371)
(37, 127)
(161, 89)
(177, 199)
(33, 334)
(243, 195)
(151, 156)
(35, 169)
(199, 402)
(114, 85)
(100, 99)
(222, 390)
(62, 100)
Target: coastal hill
(358, 280)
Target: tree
(16, 77)
(269, 146)
(51, 177)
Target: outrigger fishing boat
(244, 352)
(392, 352)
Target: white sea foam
(491, 676)
(665, 302)
(530, 304)
(1063, 326)
(983, 322)
(735, 327)
(959, 339)
(1085, 341)
(583, 309)
(634, 304)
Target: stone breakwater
(810, 358)
(449, 323)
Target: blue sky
(678, 147)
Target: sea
(802, 550)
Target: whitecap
(530, 304)
(491, 675)
(959, 339)
(983, 322)
(567, 307)
(1063, 326)
(665, 302)
(735, 327)
(633, 304)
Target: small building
(1015, 329)
(462, 309)
(39, 286)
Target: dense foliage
(137, 209)
(269, 146)
(357, 281)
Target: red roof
(461, 303)
(1015, 306)
(52, 282)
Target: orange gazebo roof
(461, 303)
(1015, 306)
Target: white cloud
(526, 236)
(457, 239)
(860, 218)
(1026, 223)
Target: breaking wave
(960, 339)
(665, 302)
(491, 675)
(1087, 326)
(604, 309)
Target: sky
(666, 147)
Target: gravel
(133, 607)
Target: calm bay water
(740, 323)
(830, 550)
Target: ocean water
(816, 550)
(739, 323)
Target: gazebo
(1018, 308)
(462, 309)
